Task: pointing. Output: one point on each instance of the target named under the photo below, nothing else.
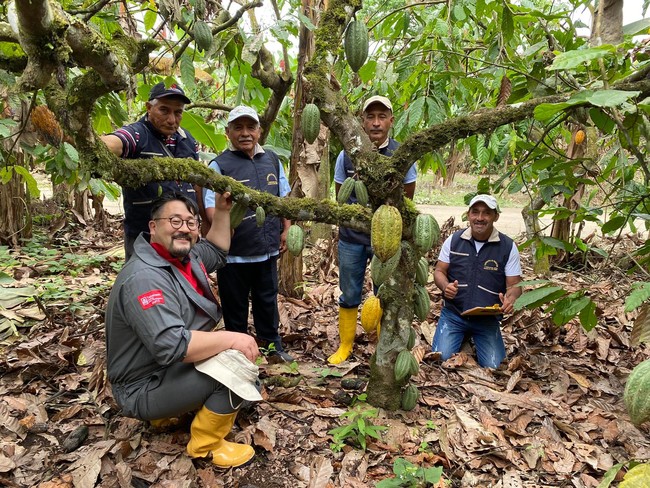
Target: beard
(182, 249)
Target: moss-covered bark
(396, 296)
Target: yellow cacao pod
(371, 313)
(385, 232)
(580, 136)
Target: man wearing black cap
(157, 134)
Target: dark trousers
(173, 391)
(238, 281)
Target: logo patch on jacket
(151, 298)
(491, 265)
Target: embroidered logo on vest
(271, 179)
(491, 265)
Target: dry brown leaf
(320, 472)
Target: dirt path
(510, 221)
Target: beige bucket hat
(233, 370)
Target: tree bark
(309, 162)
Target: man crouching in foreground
(159, 322)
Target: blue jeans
(353, 259)
(486, 332)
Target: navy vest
(137, 201)
(346, 234)
(261, 173)
(481, 276)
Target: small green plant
(409, 475)
(358, 430)
(325, 372)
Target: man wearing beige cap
(478, 271)
(354, 247)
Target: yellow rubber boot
(207, 438)
(347, 330)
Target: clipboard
(483, 311)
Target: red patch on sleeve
(151, 298)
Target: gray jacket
(151, 310)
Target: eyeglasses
(177, 222)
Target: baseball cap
(159, 90)
(242, 111)
(233, 370)
(489, 200)
(378, 99)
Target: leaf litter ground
(551, 415)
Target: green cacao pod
(295, 239)
(424, 232)
(202, 35)
(405, 365)
(385, 232)
(260, 216)
(436, 230)
(199, 9)
(409, 397)
(422, 271)
(310, 122)
(345, 190)
(361, 192)
(422, 302)
(237, 213)
(371, 313)
(637, 393)
(412, 336)
(380, 272)
(356, 44)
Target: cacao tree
(496, 78)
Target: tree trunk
(562, 228)
(607, 24)
(541, 264)
(15, 216)
(452, 165)
(309, 168)
(15, 219)
(396, 295)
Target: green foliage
(562, 305)
(639, 294)
(359, 429)
(409, 475)
(636, 477)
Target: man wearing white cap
(354, 247)
(160, 321)
(252, 260)
(157, 134)
(478, 268)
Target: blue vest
(481, 276)
(137, 201)
(261, 173)
(346, 234)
